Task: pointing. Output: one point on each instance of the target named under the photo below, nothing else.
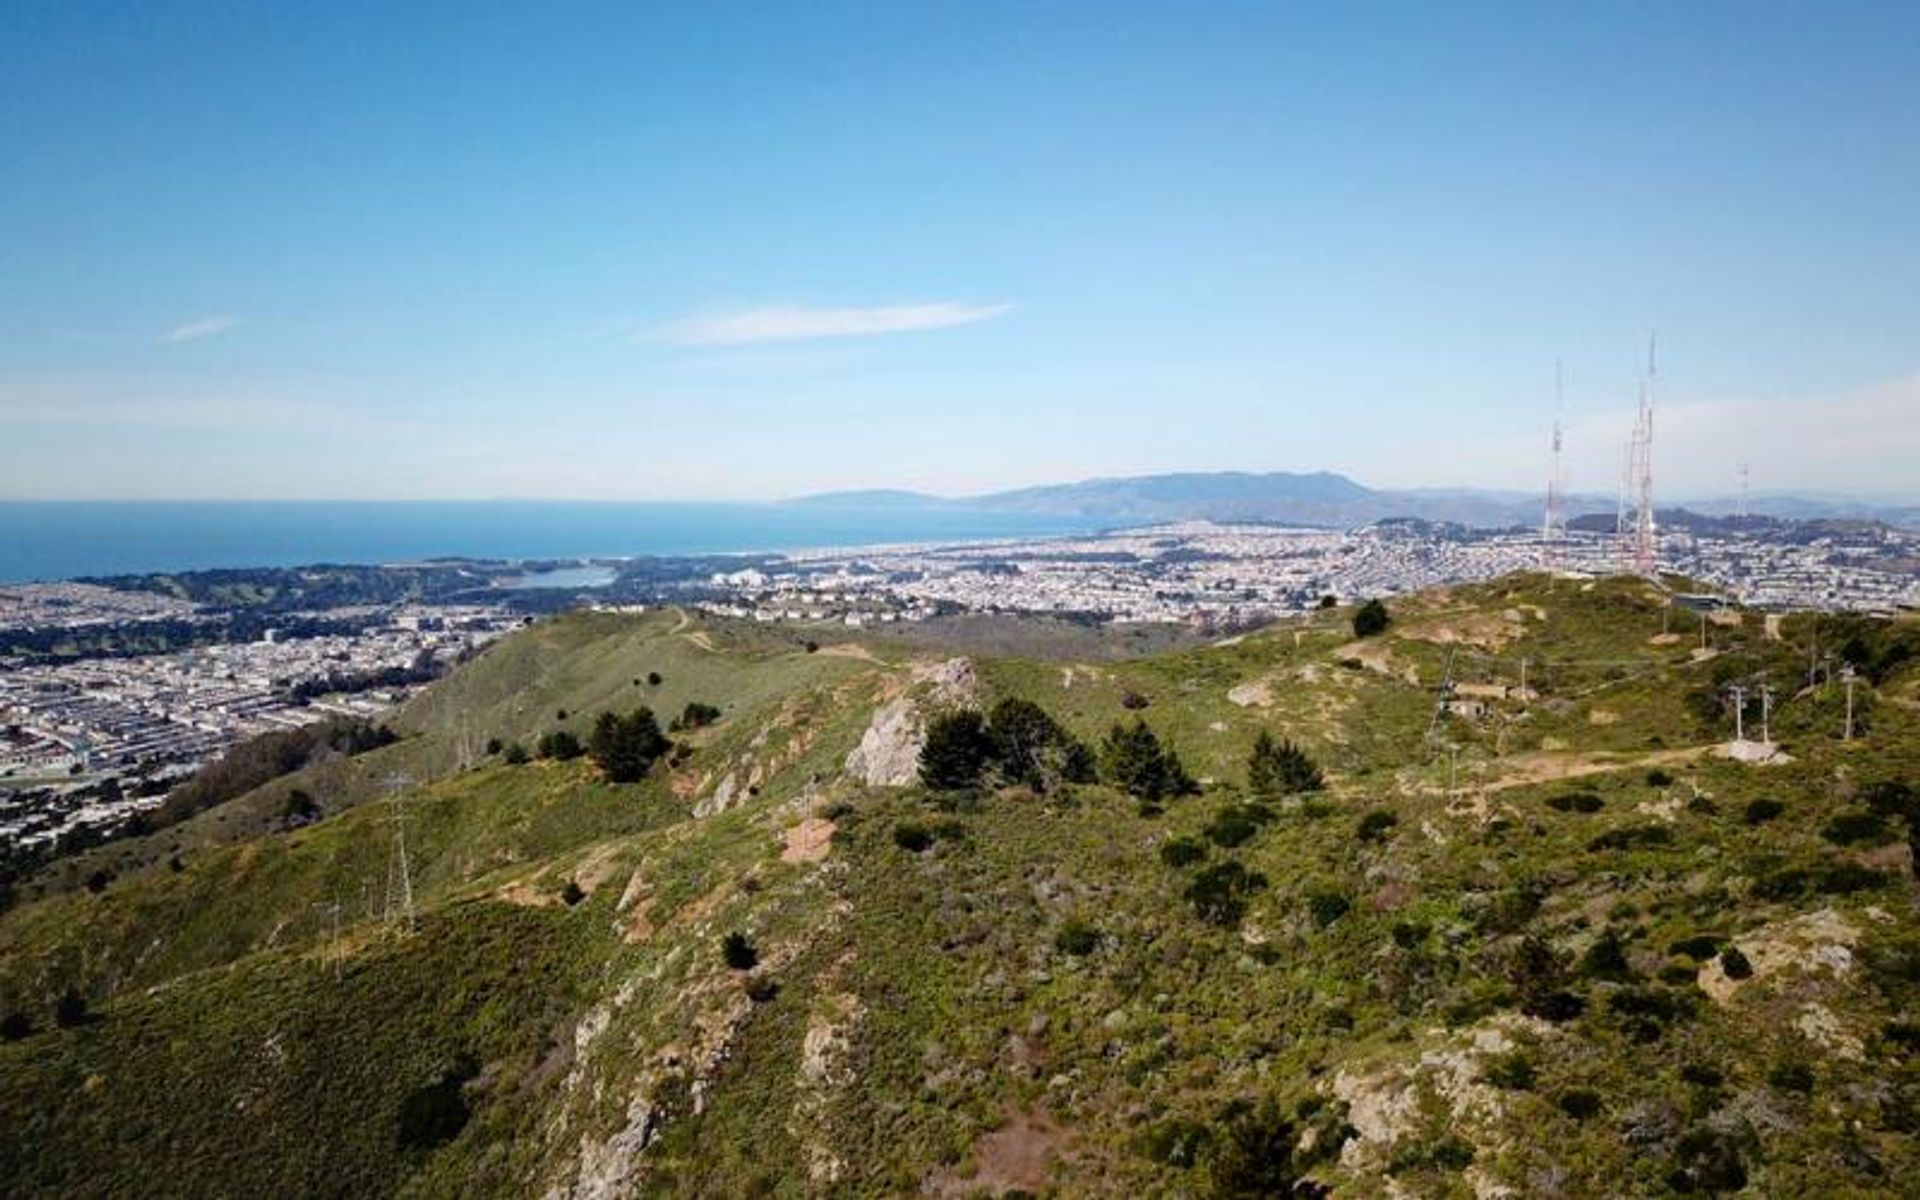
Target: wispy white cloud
(196, 330)
(786, 323)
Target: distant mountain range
(1322, 499)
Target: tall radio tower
(1553, 527)
(1636, 485)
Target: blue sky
(640, 251)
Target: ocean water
(65, 540)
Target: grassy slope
(922, 1001)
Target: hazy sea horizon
(56, 540)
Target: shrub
(1513, 1072)
(761, 989)
(1707, 1160)
(653, 679)
(1077, 938)
(1183, 852)
(1218, 893)
(1606, 959)
(1175, 1142)
(956, 752)
(1233, 825)
(626, 747)
(695, 716)
(1791, 1077)
(1891, 798)
(1759, 812)
(1327, 905)
(1133, 701)
(1632, 837)
(1855, 827)
(1370, 619)
(1375, 825)
(434, 1114)
(1698, 948)
(1280, 768)
(572, 894)
(298, 809)
(1658, 778)
(515, 755)
(1702, 1075)
(1585, 802)
(494, 747)
(1252, 1155)
(70, 1009)
(561, 744)
(739, 952)
(1579, 1103)
(16, 1027)
(912, 838)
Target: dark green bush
(1183, 852)
(1580, 1103)
(1370, 619)
(1513, 1072)
(1855, 827)
(1280, 768)
(1735, 964)
(1327, 905)
(1375, 825)
(1759, 812)
(912, 837)
(1077, 938)
(1218, 893)
(739, 952)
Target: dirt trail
(1545, 766)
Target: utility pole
(1703, 629)
(1523, 679)
(1739, 713)
(1766, 713)
(1846, 674)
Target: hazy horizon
(708, 255)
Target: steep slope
(1528, 940)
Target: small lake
(564, 577)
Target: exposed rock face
(1815, 942)
(889, 751)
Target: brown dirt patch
(1018, 1156)
(809, 841)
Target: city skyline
(617, 255)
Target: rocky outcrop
(889, 751)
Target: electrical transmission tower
(399, 867)
(1553, 527)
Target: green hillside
(1542, 941)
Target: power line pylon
(399, 867)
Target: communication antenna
(1739, 712)
(399, 868)
(1640, 466)
(1553, 527)
(1766, 713)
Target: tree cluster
(1133, 760)
(1280, 768)
(626, 747)
(694, 716)
(1017, 744)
